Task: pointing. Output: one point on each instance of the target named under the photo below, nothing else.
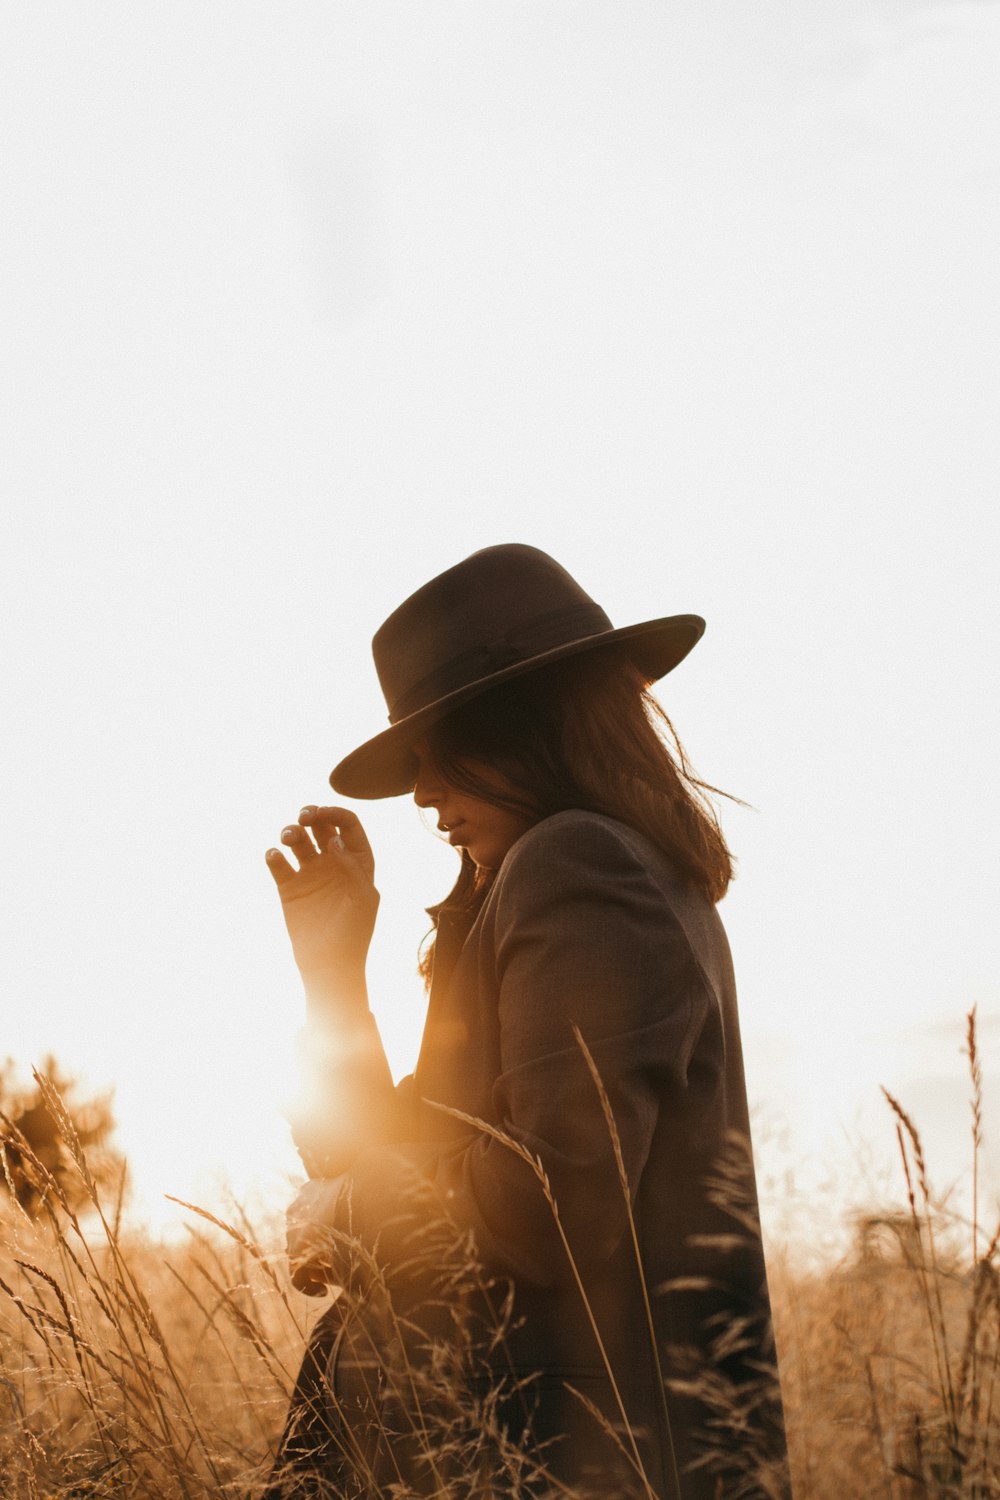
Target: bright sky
(301, 304)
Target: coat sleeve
(584, 937)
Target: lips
(452, 830)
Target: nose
(427, 788)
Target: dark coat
(588, 925)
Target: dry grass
(127, 1368)
(890, 1360)
(131, 1369)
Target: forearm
(539, 1188)
(336, 993)
(346, 1098)
(410, 1207)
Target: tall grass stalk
(627, 1446)
(931, 1402)
(106, 1399)
(146, 1372)
(623, 1182)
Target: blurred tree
(54, 1150)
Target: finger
(327, 821)
(281, 870)
(323, 821)
(296, 838)
(322, 830)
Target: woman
(576, 1126)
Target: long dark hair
(584, 733)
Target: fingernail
(306, 812)
(286, 833)
(272, 854)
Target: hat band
(521, 643)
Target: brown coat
(589, 925)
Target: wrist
(335, 986)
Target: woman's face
(486, 832)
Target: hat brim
(385, 766)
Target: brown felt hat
(502, 612)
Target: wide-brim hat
(502, 612)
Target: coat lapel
(453, 929)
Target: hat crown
(501, 606)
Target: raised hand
(330, 901)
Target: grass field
(133, 1369)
